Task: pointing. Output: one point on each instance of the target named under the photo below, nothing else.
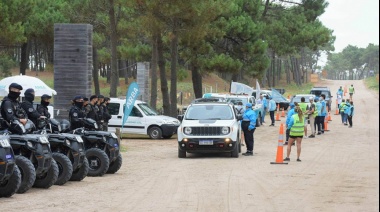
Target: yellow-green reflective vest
(315, 114)
(298, 126)
(351, 90)
(303, 106)
(342, 106)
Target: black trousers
(350, 120)
(248, 135)
(271, 113)
(319, 123)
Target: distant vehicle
(279, 99)
(371, 73)
(297, 98)
(235, 98)
(317, 91)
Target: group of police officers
(12, 109)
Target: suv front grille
(206, 131)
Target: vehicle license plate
(206, 142)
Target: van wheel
(155, 133)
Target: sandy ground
(339, 172)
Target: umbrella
(40, 88)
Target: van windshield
(147, 110)
(318, 93)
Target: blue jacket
(289, 115)
(324, 111)
(272, 105)
(265, 102)
(250, 115)
(349, 109)
(339, 92)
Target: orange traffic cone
(329, 117)
(280, 147)
(336, 108)
(278, 113)
(326, 124)
(283, 113)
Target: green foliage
(372, 83)
(6, 63)
(182, 74)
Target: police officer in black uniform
(10, 107)
(42, 108)
(76, 112)
(92, 108)
(106, 114)
(100, 105)
(27, 105)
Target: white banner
(258, 90)
(240, 88)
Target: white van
(142, 120)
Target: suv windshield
(209, 112)
(319, 92)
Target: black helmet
(17, 128)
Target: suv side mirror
(180, 117)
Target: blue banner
(130, 98)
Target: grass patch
(372, 83)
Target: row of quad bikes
(51, 154)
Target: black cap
(101, 96)
(93, 97)
(77, 97)
(29, 90)
(85, 99)
(15, 85)
(45, 96)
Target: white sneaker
(305, 137)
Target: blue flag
(130, 98)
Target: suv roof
(321, 88)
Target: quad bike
(102, 148)
(68, 151)
(10, 175)
(33, 156)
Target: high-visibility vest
(351, 90)
(315, 110)
(298, 126)
(342, 106)
(303, 106)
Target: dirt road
(339, 172)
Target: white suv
(209, 127)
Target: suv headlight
(187, 130)
(225, 130)
(30, 144)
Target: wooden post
(118, 134)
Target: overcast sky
(355, 22)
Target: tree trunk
(95, 71)
(164, 83)
(173, 76)
(114, 68)
(24, 58)
(153, 87)
(197, 81)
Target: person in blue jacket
(265, 106)
(248, 125)
(349, 110)
(272, 109)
